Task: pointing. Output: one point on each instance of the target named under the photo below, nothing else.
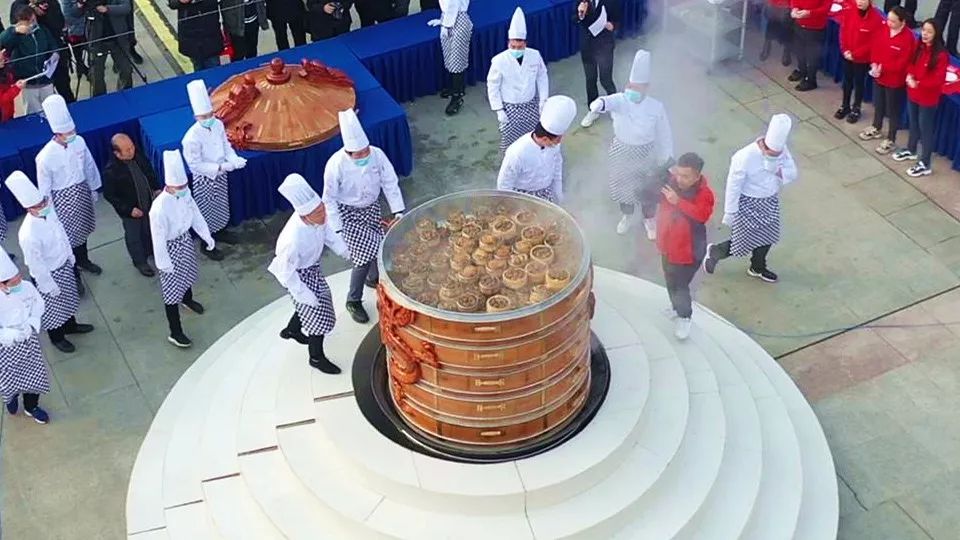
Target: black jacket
(118, 188)
(613, 15)
(198, 28)
(321, 25)
(285, 10)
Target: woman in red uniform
(9, 90)
(889, 58)
(779, 27)
(925, 76)
(859, 26)
(810, 18)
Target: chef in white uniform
(210, 158)
(642, 146)
(46, 251)
(534, 164)
(68, 176)
(352, 182)
(23, 369)
(456, 28)
(517, 84)
(757, 173)
(172, 215)
(297, 268)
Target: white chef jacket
(641, 123)
(60, 167)
(45, 248)
(20, 314)
(345, 183)
(205, 149)
(528, 166)
(748, 177)
(169, 218)
(299, 246)
(449, 9)
(517, 82)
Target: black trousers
(61, 76)
(59, 334)
(779, 25)
(649, 210)
(758, 258)
(297, 27)
(597, 57)
(173, 313)
(948, 15)
(922, 122)
(81, 254)
(119, 51)
(314, 343)
(807, 47)
(854, 80)
(30, 401)
(136, 235)
(678, 278)
(245, 46)
(888, 103)
(374, 11)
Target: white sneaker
(589, 119)
(651, 226)
(669, 313)
(624, 224)
(682, 329)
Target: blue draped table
(253, 189)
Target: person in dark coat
(327, 19)
(374, 11)
(29, 45)
(50, 16)
(244, 19)
(402, 7)
(198, 31)
(596, 50)
(129, 185)
(290, 14)
(107, 33)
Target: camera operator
(327, 19)
(50, 16)
(108, 32)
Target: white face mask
(771, 163)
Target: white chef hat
(354, 138)
(557, 114)
(518, 26)
(640, 72)
(23, 189)
(173, 172)
(777, 131)
(7, 268)
(58, 116)
(199, 98)
(301, 196)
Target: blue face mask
(44, 212)
(208, 123)
(633, 95)
(516, 53)
(181, 193)
(71, 138)
(362, 162)
(16, 289)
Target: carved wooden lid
(280, 107)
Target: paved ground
(862, 246)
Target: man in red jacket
(810, 17)
(686, 204)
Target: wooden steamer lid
(279, 107)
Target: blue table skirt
(253, 189)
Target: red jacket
(681, 229)
(857, 32)
(779, 3)
(893, 54)
(929, 81)
(8, 93)
(819, 13)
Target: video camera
(338, 10)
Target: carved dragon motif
(404, 361)
(242, 96)
(314, 71)
(240, 135)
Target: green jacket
(28, 52)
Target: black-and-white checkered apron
(186, 269)
(362, 231)
(213, 199)
(317, 320)
(456, 48)
(757, 223)
(57, 309)
(523, 118)
(3, 226)
(545, 194)
(630, 167)
(23, 369)
(74, 206)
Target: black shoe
(371, 284)
(78, 329)
(795, 76)
(145, 270)
(841, 113)
(787, 58)
(214, 255)
(854, 116)
(709, 262)
(445, 93)
(137, 59)
(194, 306)
(324, 365)
(456, 103)
(90, 267)
(299, 337)
(806, 85)
(179, 340)
(64, 346)
(765, 275)
(355, 309)
(765, 51)
(227, 237)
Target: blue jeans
(200, 64)
(923, 120)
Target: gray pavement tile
(885, 522)
(948, 252)
(885, 193)
(934, 506)
(849, 505)
(815, 136)
(781, 102)
(925, 223)
(848, 164)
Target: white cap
(7, 268)
(23, 189)
(557, 114)
(354, 138)
(55, 109)
(777, 131)
(518, 26)
(173, 172)
(199, 98)
(640, 72)
(296, 190)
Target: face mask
(16, 289)
(44, 212)
(208, 122)
(633, 95)
(70, 139)
(771, 163)
(516, 53)
(181, 193)
(362, 162)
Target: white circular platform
(705, 439)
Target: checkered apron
(362, 231)
(630, 166)
(3, 226)
(213, 199)
(23, 369)
(523, 118)
(57, 309)
(456, 48)
(756, 224)
(545, 194)
(74, 206)
(317, 320)
(186, 269)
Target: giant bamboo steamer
(485, 379)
